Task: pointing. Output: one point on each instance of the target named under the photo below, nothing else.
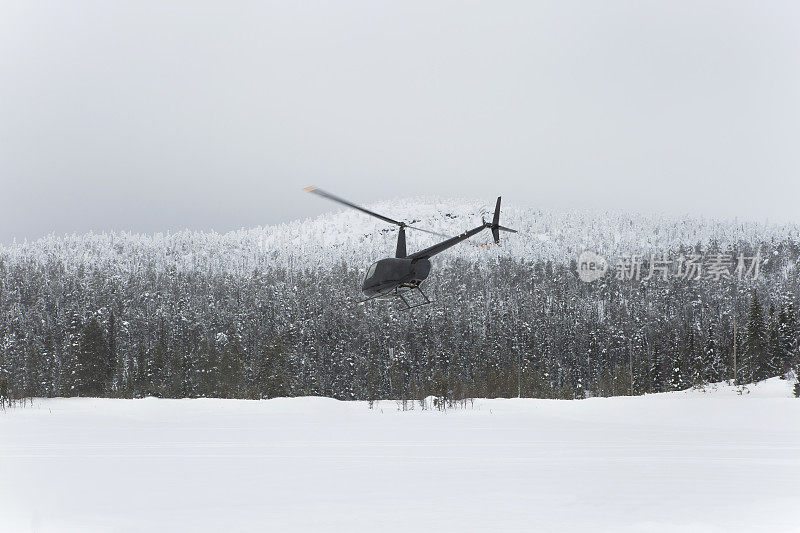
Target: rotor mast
(400, 253)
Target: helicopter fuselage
(388, 274)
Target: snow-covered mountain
(356, 239)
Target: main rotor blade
(329, 196)
(431, 232)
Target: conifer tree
(74, 380)
(113, 363)
(756, 346)
(677, 379)
(4, 392)
(712, 360)
(786, 337)
(230, 369)
(94, 363)
(656, 377)
(155, 364)
(695, 359)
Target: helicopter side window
(371, 271)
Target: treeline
(498, 329)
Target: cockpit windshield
(371, 271)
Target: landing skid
(411, 305)
(403, 294)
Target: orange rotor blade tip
(310, 188)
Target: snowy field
(692, 461)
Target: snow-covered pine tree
(786, 336)
(115, 362)
(677, 380)
(756, 364)
(94, 362)
(695, 358)
(74, 380)
(231, 367)
(712, 360)
(656, 373)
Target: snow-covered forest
(272, 311)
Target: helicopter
(401, 275)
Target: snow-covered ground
(691, 461)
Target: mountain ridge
(356, 239)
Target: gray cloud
(121, 115)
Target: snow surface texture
(356, 239)
(713, 460)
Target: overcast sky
(156, 116)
